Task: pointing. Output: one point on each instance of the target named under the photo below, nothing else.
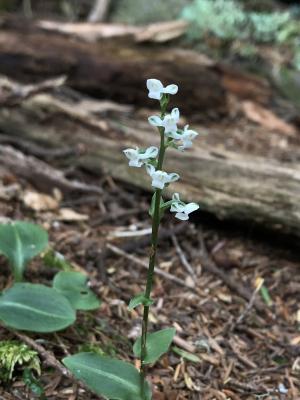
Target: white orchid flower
(137, 157)
(157, 89)
(187, 136)
(160, 178)
(182, 209)
(169, 122)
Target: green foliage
(20, 242)
(111, 378)
(35, 308)
(91, 348)
(186, 355)
(157, 344)
(147, 11)
(73, 285)
(54, 259)
(138, 300)
(33, 384)
(266, 27)
(228, 20)
(15, 354)
(222, 18)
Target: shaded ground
(247, 349)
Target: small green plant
(20, 242)
(36, 307)
(222, 18)
(110, 377)
(228, 20)
(268, 27)
(14, 354)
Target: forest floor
(234, 300)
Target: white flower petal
(155, 120)
(155, 95)
(190, 207)
(151, 152)
(157, 183)
(175, 113)
(171, 89)
(154, 85)
(176, 197)
(173, 177)
(135, 163)
(131, 153)
(182, 216)
(150, 169)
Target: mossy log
(231, 186)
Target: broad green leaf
(138, 300)
(20, 242)
(111, 378)
(186, 355)
(73, 285)
(35, 308)
(157, 344)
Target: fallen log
(117, 69)
(229, 185)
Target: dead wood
(229, 185)
(117, 68)
(39, 173)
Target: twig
(184, 344)
(183, 258)
(143, 264)
(249, 306)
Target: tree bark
(231, 186)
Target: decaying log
(117, 69)
(43, 176)
(226, 184)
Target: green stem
(152, 257)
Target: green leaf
(20, 242)
(108, 377)
(157, 344)
(266, 295)
(186, 355)
(73, 285)
(152, 206)
(36, 308)
(138, 300)
(54, 259)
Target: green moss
(15, 354)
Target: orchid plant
(113, 378)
